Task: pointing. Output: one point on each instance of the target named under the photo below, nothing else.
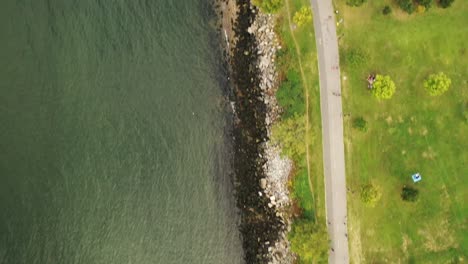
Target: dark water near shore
(112, 145)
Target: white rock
(263, 183)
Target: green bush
(383, 87)
(437, 84)
(301, 193)
(303, 16)
(386, 10)
(290, 134)
(409, 194)
(445, 3)
(420, 9)
(406, 5)
(355, 57)
(426, 3)
(268, 6)
(309, 241)
(355, 2)
(290, 95)
(370, 194)
(360, 123)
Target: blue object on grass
(416, 177)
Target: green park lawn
(411, 132)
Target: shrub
(406, 5)
(309, 241)
(290, 134)
(409, 194)
(300, 192)
(290, 95)
(420, 9)
(355, 57)
(355, 2)
(370, 194)
(426, 3)
(437, 84)
(445, 3)
(360, 123)
(386, 10)
(383, 87)
(303, 16)
(268, 6)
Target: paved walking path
(332, 129)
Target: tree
(406, 5)
(383, 87)
(370, 194)
(437, 84)
(309, 241)
(386, 10)
(409, 194)
(360, 123)
(303, 16)
(445, 3)
(355, 2)
(268, 6)
(290, 134)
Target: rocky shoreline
(261, 174)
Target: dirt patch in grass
(429, 154)
(389, 120)
(404, 245)
(438, 236)
(354, 231)
(424, 131)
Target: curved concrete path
(332, 130)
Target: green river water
(112, 134)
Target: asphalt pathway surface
(332, 129)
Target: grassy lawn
(294, 56)
(412, 132)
